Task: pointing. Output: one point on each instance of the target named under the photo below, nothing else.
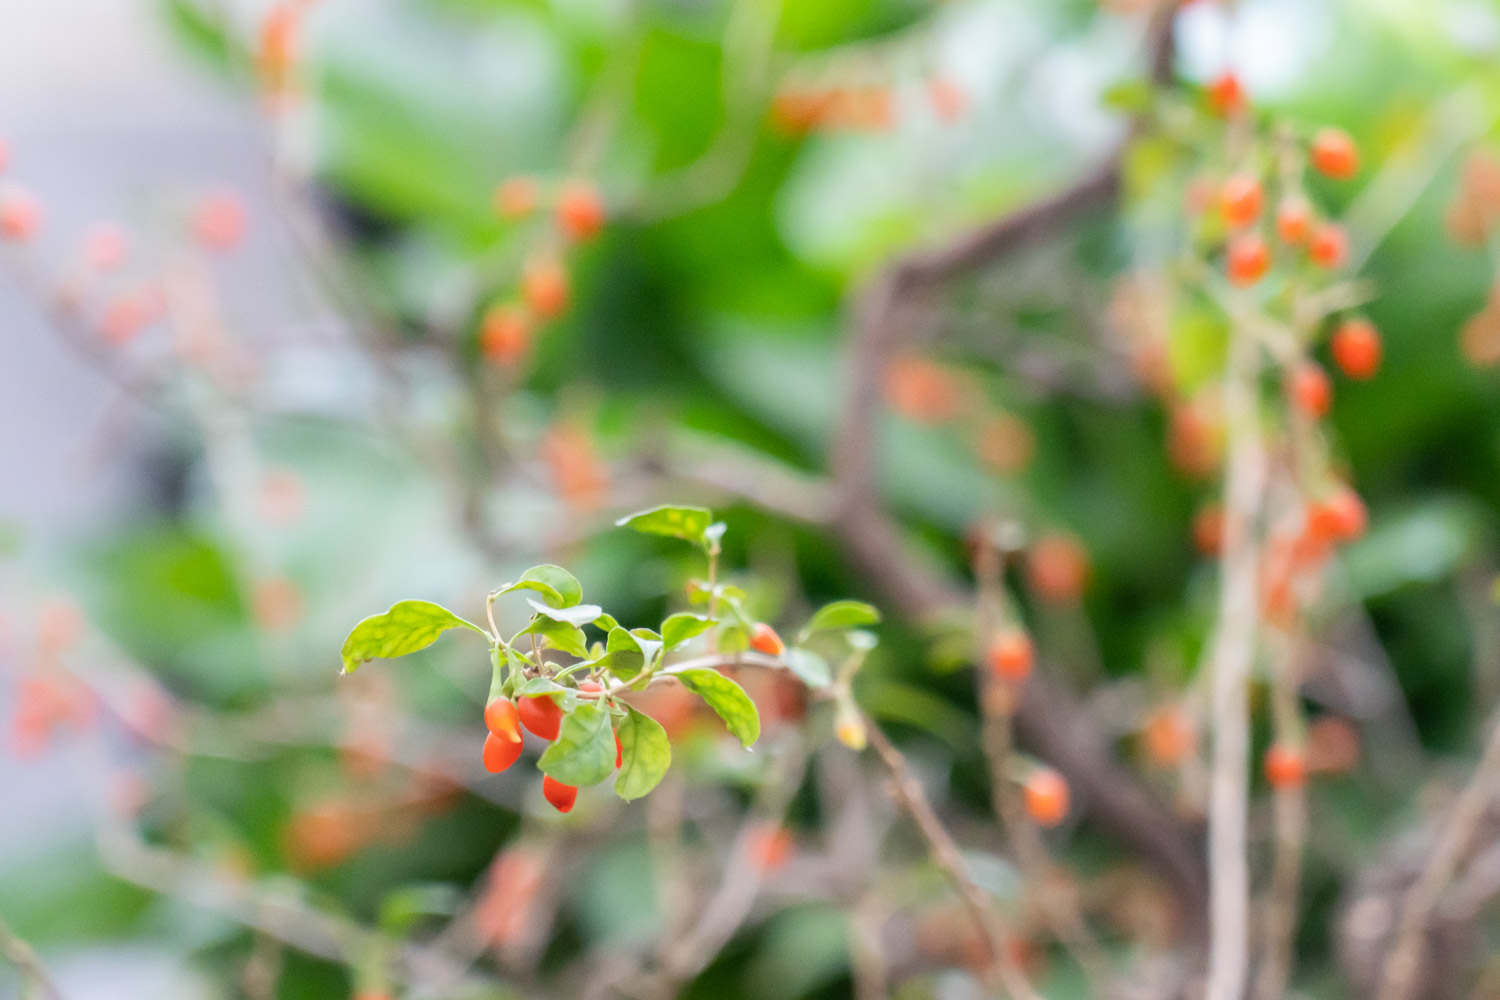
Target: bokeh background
(307, 430)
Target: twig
(21, 955)
(1289, 805)
(945, 854)
(1454, 844)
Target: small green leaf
(728, 700)
(688, 523)
(649, 642)
(568, 638)
(733, 638)
(645, 755)
(584, 751)
(539, 685)
(579, 614)
(558, 587)
(623, 655)
(407, 627)
(403, 908)
(681, 627)
(1133, 95)
(841, 614)
(809, 666)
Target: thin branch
(21, 955)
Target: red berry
(1284, 767)
(544, 284)
(580, 210)
(763, 639)
(1338, 517)
(590, 686)
(619, 752)
(1310, 390)
(560, 795)
(1247, 259)
(1293, 217)
(541, 715)
(20, 215)
(1208, 529)
(1046, 794)
(1058, 567)
(769, 847)
(219, 220)
(501, 718)
(1328, 245)
(1226, 96)
(104, 246)
(1356, 348)
(1011, 655)
(1169, 736)
(515, 197)
(1240, 199)
(505, 334)
(1334, 154)
(499, 753)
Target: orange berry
(948, 98)
(1356, 348)
(1208, 529)
(219, 221)
(278, 45)
(1168, 736)
(20, 215)
(1309, 389)
(505, 334)
(763, 639)
(499, 753)
(1284, 767)
(590, 686)
(502, 719)
(515, 197)
(124, 318)
(544, 284)
(1058, 567)
(921, 390)
(1239, 200)
(1046, 794)
(1247, 259)
(1011, 655)
(769, 847)
(1293, 217)
(580, 210)
(1226, 96)
(1338, 517)
(541, 715)
(104, 246)
(1195, 439)
(560, 795)
(1334, 154)
(1328, 245)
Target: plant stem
(24, 958)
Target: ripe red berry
(1011, 655)
(1284, 767)
(219, 220)
(1169, 736)
(541, 715)
(619, 752)
(515, 197)
(580, 210)
(590, 686)
(499, 753)
(1058, 567)
(1208, 529)
(505, 334)
(1046, 794)
(1240, 199)
(1293, 217)
(560, 795)
(1356, 348)
(1328, 245)
(1226, 96)
(1310, 390)
(1338, 517)
(544, 285)
(502, 719)
(1247, 259)
(20, 215)
(1334, 154)
(763, 639)
(769, 847)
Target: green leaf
(584, 751)
(539, 685)
(579, 614)
(688, 523)
(733, 638)
(568, 638)
(623, 655)
(649, 642)
(558, 587)
(809, 666)
(841, 614)
(681, 627)
(403, 908)
(407, 627)
(645, 755)
(1133, 95)
(728, 700)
